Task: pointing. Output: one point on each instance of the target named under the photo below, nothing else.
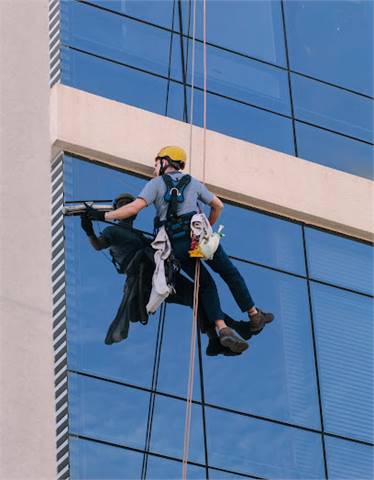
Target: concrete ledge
(128, 137)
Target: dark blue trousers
(222, 265)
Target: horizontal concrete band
(128, 137)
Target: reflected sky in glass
(335, 151)
(159, 12)
(168, 429)
(332, 108)
(340, 261)
(107, 79)
(115, 37)
(342, 50)
(262, 448)
(344, 336)
(347, 460)
(107, 411)
(161, 469)
(90, 460)
(275, 377)
(235, 119)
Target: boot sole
(256, 332)
(234, 344)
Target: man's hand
(86, 224)
(94, 214)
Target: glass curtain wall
(297, 404)
(271, 79)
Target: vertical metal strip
(59, 318)
(54, 15)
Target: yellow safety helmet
(174, 154)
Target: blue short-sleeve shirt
(195, 191)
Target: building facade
(290, 152)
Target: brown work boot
(228, 339)
(259, 320)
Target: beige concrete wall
(129, 137)
(27, 448)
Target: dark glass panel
(335, 151)
(275, 377)
(342, 50)
(107, 411)
(235, 76)
(235, 119)
(344, 334)
(332, 108)
(263, 239)
(253, 28)
(340, 261)
(94, 288)
(168, 429)
(159, 12)
(107, 79)
(347, 460)
(160, 468)
(90, 460)
(261, 448)
(115, 37)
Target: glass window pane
(279, 362)
(332, 108)
(235, 119)
(340, 261)
(268, 240)
(335, 151)
(115, 37)
(262, 448)
(236, 76)
(159, 12)
(347, 460)
(168, 429)
(160, 468)
(90, 460)
(91, 277)
(344, 334)
(253, 28)
(107, 411)
(110, 80)
(218, 475)
(342, 51)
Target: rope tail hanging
(191, 373)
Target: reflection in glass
(340, 261)
(168, 429)
(236, 77)
(253, 28)
(344, 335)
(90, 460)
(160, 468)
(268, 240)
(275, 377)
(347, 460)
(342, 50)
(235, 119)
(332, 108)
(335, 151)
(107, 411)
(115, 37)
(157, 11)
(261, 448)
(107, 79)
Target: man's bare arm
(127, 210)
(216, 207)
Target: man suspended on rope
(125, 244)
(168, 177)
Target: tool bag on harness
(175, 225)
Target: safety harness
(175, 225)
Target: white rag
(200, 226)
(160, 288)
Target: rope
(191, 373)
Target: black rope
(170, 59)
(202, 393)
(185, 111)
(151, 407)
